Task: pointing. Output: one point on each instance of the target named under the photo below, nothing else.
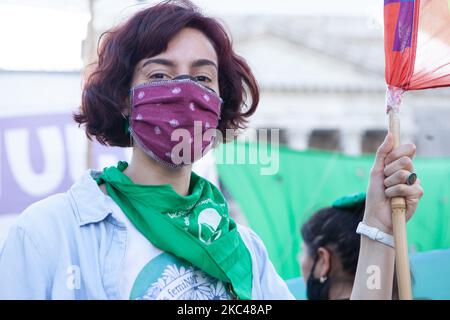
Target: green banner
(277, 205)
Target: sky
(41, 37)
(47, 34)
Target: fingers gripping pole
(398, 204)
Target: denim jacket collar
(90, 202)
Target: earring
(323, 279)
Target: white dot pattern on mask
(207, 125)
(176, 90)
(139, 116)
(206, 97)
(157, 130)
(141, 94)
(174, 123)
(168, 155)
(191, 106)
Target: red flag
(417, 43)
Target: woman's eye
(203, 79)
(159, 76)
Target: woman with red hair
(153, 229)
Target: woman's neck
(340, 291)
(144, 170)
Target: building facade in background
(321, 73)
(322, 84)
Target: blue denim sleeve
(267, 283)
(273, 286)
(22, 268)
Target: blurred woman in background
(330, 249)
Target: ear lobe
(324, 262)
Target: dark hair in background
(147, 34)
(335, 228)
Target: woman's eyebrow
(164, 62)
(204, 62)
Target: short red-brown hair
(146, 34)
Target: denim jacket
(70, 246)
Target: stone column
(351, 141)
(298, 138)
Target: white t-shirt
(150, 273)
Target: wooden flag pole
(398, 206)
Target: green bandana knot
(350, 201)
(196, 227)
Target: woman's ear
(323, 266)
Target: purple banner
(43, 155)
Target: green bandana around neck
(196, 227)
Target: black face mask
(316, 290)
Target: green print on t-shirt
(168, 277)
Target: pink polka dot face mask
(174, 121)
